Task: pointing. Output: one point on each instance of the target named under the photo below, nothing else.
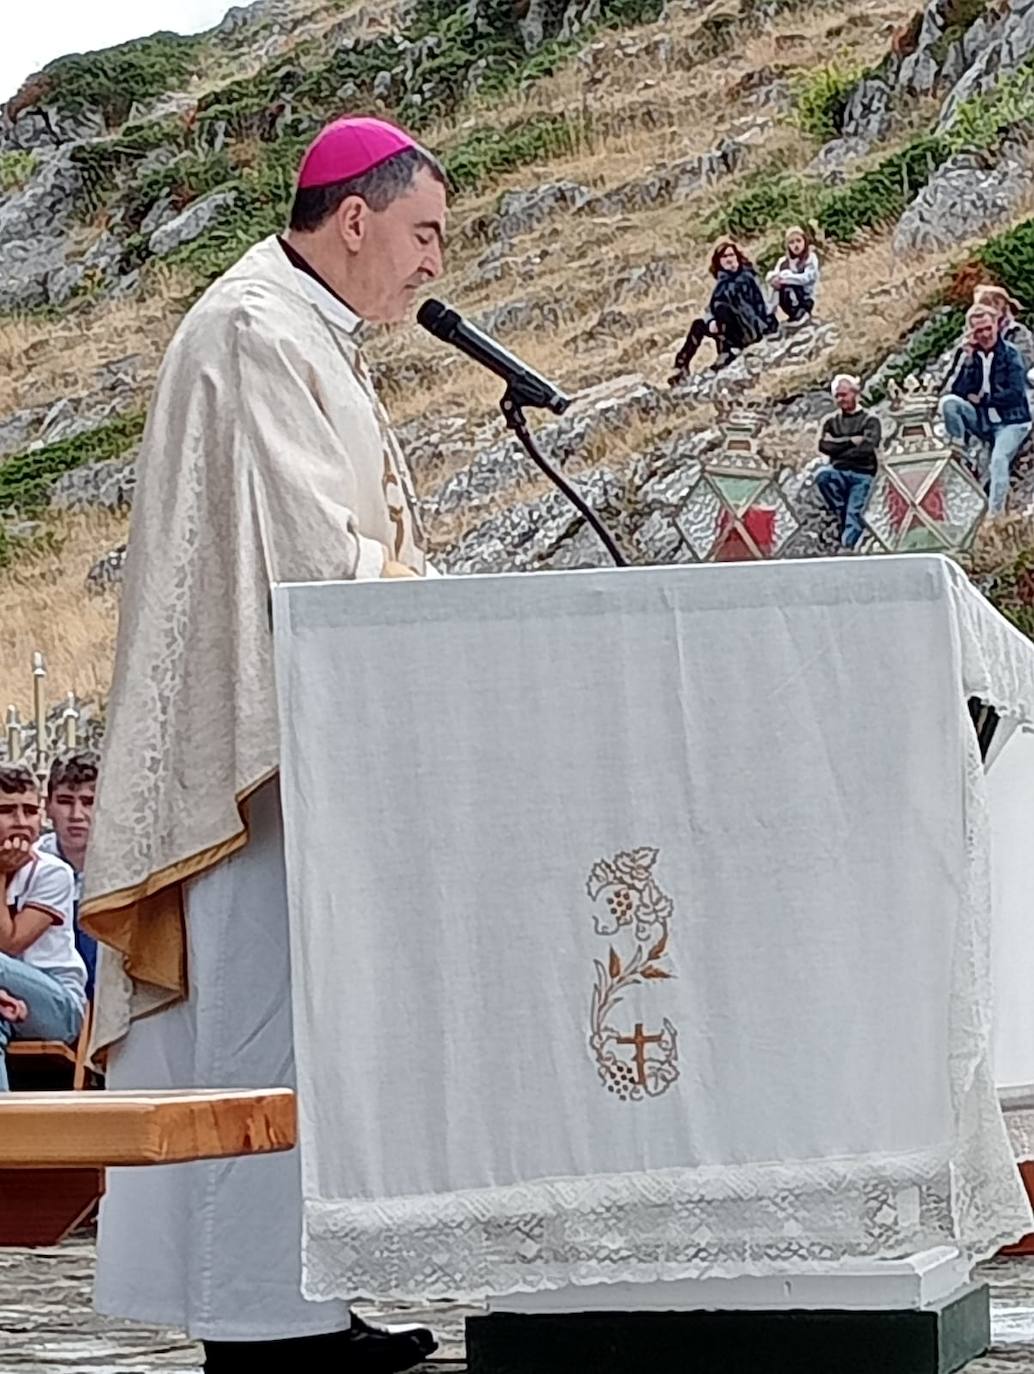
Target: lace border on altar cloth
(639, 1228)
(1019, 1122)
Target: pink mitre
(348, 148)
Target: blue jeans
(846, 494)
(963, 421)
(55, 1013)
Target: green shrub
(485, 153)
(881, 193)
(191, 176)
(820, 99)
(773, 199)
(980, 121)
(25, 480)
(1009, 259)
(251, 107)
(105, 163)
(548, 60)
(15, 169)
(768, 199)
(622, 13)
(959, 16)
(114, 78)
(264, 195)
(927, 343)
(439, 78)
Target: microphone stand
(513, 414)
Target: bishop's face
(402, 251)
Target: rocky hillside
(597, 147)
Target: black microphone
(525, 386)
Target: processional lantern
(923, 499)
(736, 509)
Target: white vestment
(215, 1248)
(267, 458)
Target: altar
(642, 949)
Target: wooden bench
(55, 1051)
(54, 1147)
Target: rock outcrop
(33, 223)
(967, 196)
(96, 486)
(190, 223)
(960, 49)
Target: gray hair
(844, 379)
(379, 186)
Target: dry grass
(46, 607)
(44, 359)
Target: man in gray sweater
(850, 440)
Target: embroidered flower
(635, 866)
(654, 909)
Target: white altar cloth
(1011, 794)
(641, 923)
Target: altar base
(914, 1316)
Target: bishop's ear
(351, 221)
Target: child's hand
(12, 1008)
(14, 854)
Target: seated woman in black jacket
(737, 316)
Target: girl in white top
(795, 277)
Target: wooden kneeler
(54, 1147)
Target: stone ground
(47, 1325)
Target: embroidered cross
(640, 1040)
(390, 485)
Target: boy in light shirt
(71, 790)
(42, 976)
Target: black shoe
(384, 1351)
(722, 361)
(363, 1349)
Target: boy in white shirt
(42, 976)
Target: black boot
(363, 1349)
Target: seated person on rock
(795, 277)
(1010, 329)
(42, 975)
(987, 401)
(737, 315)
(71, 789)
(850, 441)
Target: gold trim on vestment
(145, 922)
